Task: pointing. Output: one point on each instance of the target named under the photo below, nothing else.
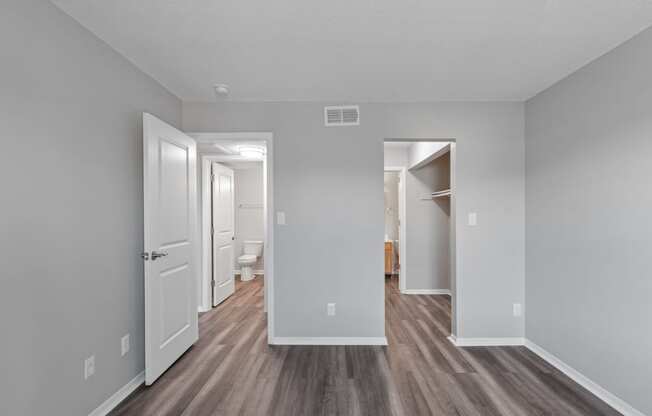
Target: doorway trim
(268, 255)
(453, 223)
(402, 230)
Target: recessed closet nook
(418, 198)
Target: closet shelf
(438, 194)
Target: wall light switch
(124, 345)
(473, 219)
(89, 367)
(518, 310)
(280, 218)
(331, 309)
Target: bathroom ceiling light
(253, 152)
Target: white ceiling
(236, 165)
(361, 50)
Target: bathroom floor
(232, 371)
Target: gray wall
(72, 228)
(391, 206)
(395, 156)
(589, 197)
(419, 152)
(428, 227)
(333, 202)
(329, 182)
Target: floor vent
(342, 115)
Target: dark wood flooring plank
(232, 371)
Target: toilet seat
(247, 258)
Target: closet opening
(419, 240)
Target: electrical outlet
(89, 367)
(280, 218)
(517, 309)
(473, 219)
(330, 309)
(124, 345)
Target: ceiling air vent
(342, 115)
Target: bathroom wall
(249, 213)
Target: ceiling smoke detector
(221, 90)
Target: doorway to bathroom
(236, 225)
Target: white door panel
(170, 226)
(223, 264)
(223, 233)
(173, 194)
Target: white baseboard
(202, 308)
(426, 292)
(119, 396)
(603, 394)
(485, 342)
(328, 341)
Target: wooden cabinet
(389, 257)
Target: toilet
(252, 250)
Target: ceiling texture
(361, 50)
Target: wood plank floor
(232, 371)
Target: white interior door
(170, 188)
(223, 233)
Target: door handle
(156, 254)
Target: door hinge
(213, 283)
(212, 230)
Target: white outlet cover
(89, 367)
(124, 345)
(473, 219)
(280, 218)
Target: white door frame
(453, 225)
(268, 254)
(402, 218)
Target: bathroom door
(223, 233)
